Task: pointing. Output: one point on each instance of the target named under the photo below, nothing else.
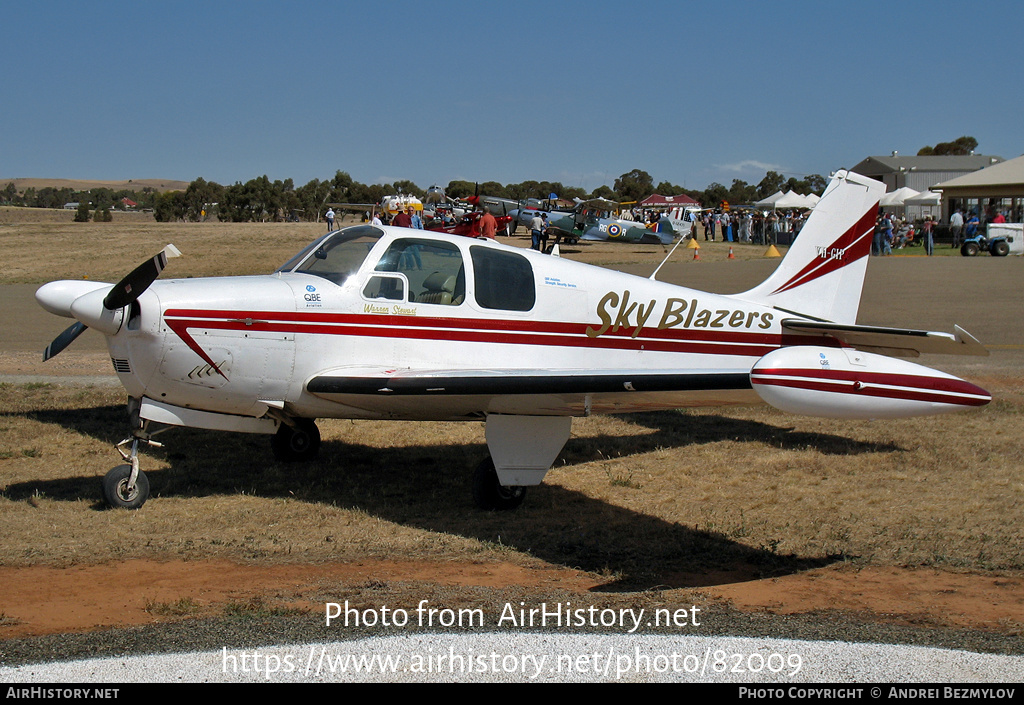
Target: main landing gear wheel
(489, 494)
(119, 492)
(297, 443)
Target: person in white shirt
(956, 225)
(536, 231)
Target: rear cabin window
(502, 280)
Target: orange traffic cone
(696, 254)
(731, 255)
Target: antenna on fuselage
(655, 272)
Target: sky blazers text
(675, 312)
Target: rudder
(822, 275)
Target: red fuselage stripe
(553, 333)
(876, 384)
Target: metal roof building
(921, 173)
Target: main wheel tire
(298, 444)
(489, 494)
(116, 490)
(969, 249)
(1000, 248)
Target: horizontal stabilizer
(894, 342)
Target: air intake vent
(121, 366)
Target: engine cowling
(848, 383)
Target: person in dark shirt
(403, 219)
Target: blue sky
(575, 92)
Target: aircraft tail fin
(822, 275)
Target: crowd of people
(742, 225)
(893, 232)
(965, 226)
(748, 225)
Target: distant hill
(160, 185)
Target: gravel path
(503, 657)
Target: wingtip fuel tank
(849, 383)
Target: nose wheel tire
(296, 444)
(488, 492)
(119, 492)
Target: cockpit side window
(502, 280)
(338, 256)
(385, 286)
(432, 267)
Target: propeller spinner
(93, 304)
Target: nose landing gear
(126, 486)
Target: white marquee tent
(899, 196)
(780, 200)
(769, 203)
(925, 198)
(925, 203)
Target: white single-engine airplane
(392, 323)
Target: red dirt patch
(916, 596)
(44, 600)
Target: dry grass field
(752, 513)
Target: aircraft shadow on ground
(428, 487)
(708, 428)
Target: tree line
(99, 198)
(261, 199)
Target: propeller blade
(138, 280)
(64, 339)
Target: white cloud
(750, 165)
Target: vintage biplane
(393, 323)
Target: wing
(467, 393)
(354, 206)
(894, 342)
(520, 381)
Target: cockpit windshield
(337, 256)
